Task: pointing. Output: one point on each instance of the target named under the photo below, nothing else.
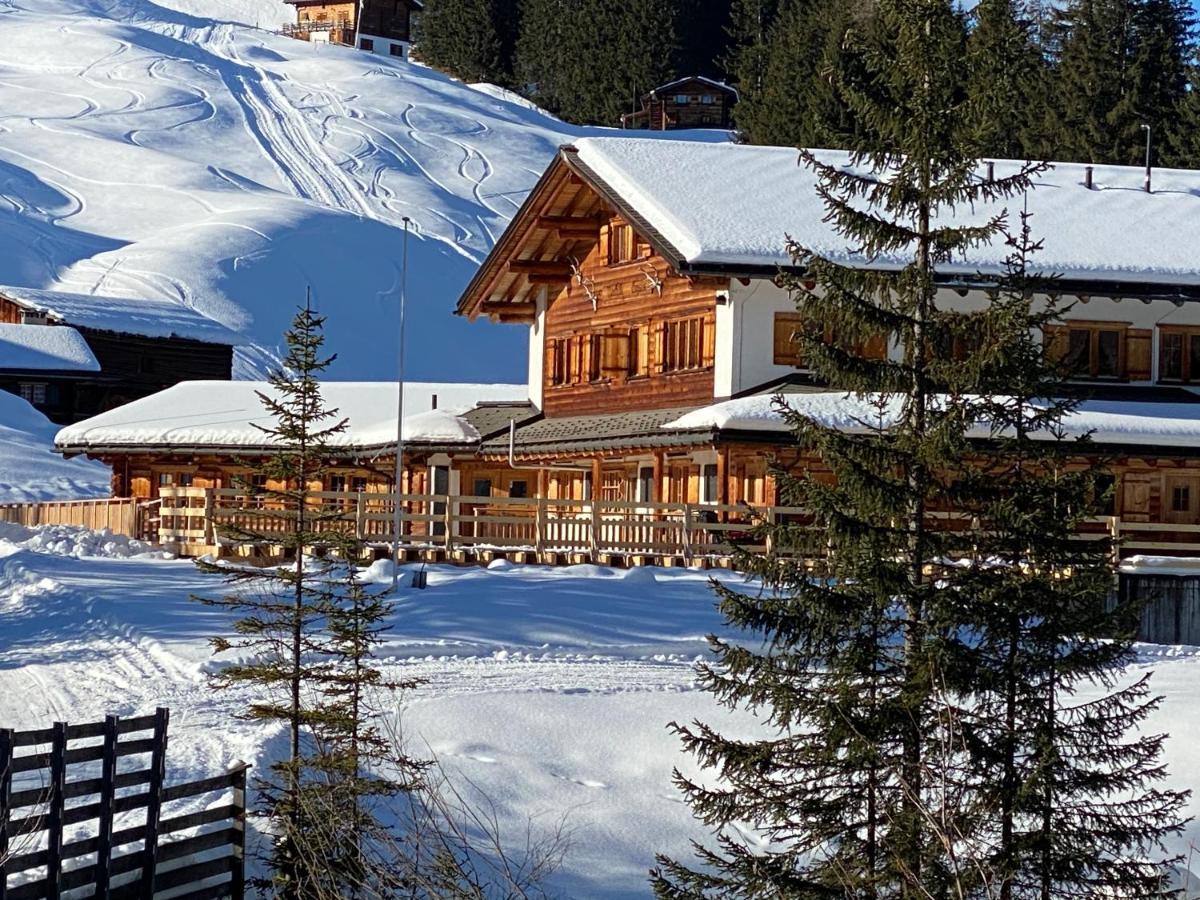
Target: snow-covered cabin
(691, 102)
(73, 355)
(645, 273)
(377, 26)
(201, 434)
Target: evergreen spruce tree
(750, 23)
(1184, 136)
(1005, 79)
(846, 664)
(542, 50)
(1067, 801)
(282, 610)
(470, 39)
(1160, 67)
(702, 37)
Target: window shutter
(1137, 354)
(787, 347)
(709, 337)
(1055, 343)
(1135, 496)
(875, 347)
(615, 353)
(660, 347)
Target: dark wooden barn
(75, 355)
(692, 102)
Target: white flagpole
(399, 477)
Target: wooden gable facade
(378, 26)
(693, 102)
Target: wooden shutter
(787, 348)
(614, 357)
(875, 347)
(1135, 496)
(604, 237)
(1055, 342)
(660, 347)
(554, 362)
(1137, 354)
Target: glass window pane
(1078, 351)
(1193, 357)
(1170, 357)
(1108, 353)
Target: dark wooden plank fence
(196, 855)
(1170, 606)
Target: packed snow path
(148, 149)
(549, 689)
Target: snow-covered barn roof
(225, 415)
(732, 206)
(1120, 422)
(124, 315)
(45, 348)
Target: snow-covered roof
(148, 318)
(223, 414)
(732, 206)
(45, 348)
(1107, 421)
(712, 82)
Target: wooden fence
(120, 516)
(196, 856)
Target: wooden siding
(628, 304)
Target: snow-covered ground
(549, 689)
(30, 469)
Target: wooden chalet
(75, 355)
(377, 26)
(645, 271)
(693, 102)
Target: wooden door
(1181, 499)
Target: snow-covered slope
(147, 151)
(29, 468)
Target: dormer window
(620, 244)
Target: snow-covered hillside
(159, 150)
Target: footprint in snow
(582, 782)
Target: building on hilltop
(377, 26)
(693, 102)
(75, 355)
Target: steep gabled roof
(728, 210)
(689, 79)
(44, 348)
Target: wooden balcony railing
(595, 528)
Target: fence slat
(108, 793)
(158, 765)
(54, 818)
(6, 753)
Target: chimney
(1087, 177)
(991, 171)
(434, 402)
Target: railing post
(108, 774)
(687, 534)
(448, 523)
(594, 531)
(539, 527)
(54, 814)
(6, 755)
(158, 765)
(769, 541)
(237, 885)
(360, 517)
(210, 527)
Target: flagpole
(399, 476)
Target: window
(1105, 494)
(166, 479)
(337, 483)
(682, 99)
(1181, 494)
(366, 44)
(592, 357)
(358, 484)
(518, 489)
(709, 489)
(645, 484)
(1179, 354)
(185, 479)
(788, 349)
(1088, 349)
(33, 392)
(396, 50)
(684, 344)
(482, 487)
(587, 485)
(1181, 497)
(258, 483)
(621, 244)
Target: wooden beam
(549, 279)
(540, 267)
(506, 308)
(567, 221)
